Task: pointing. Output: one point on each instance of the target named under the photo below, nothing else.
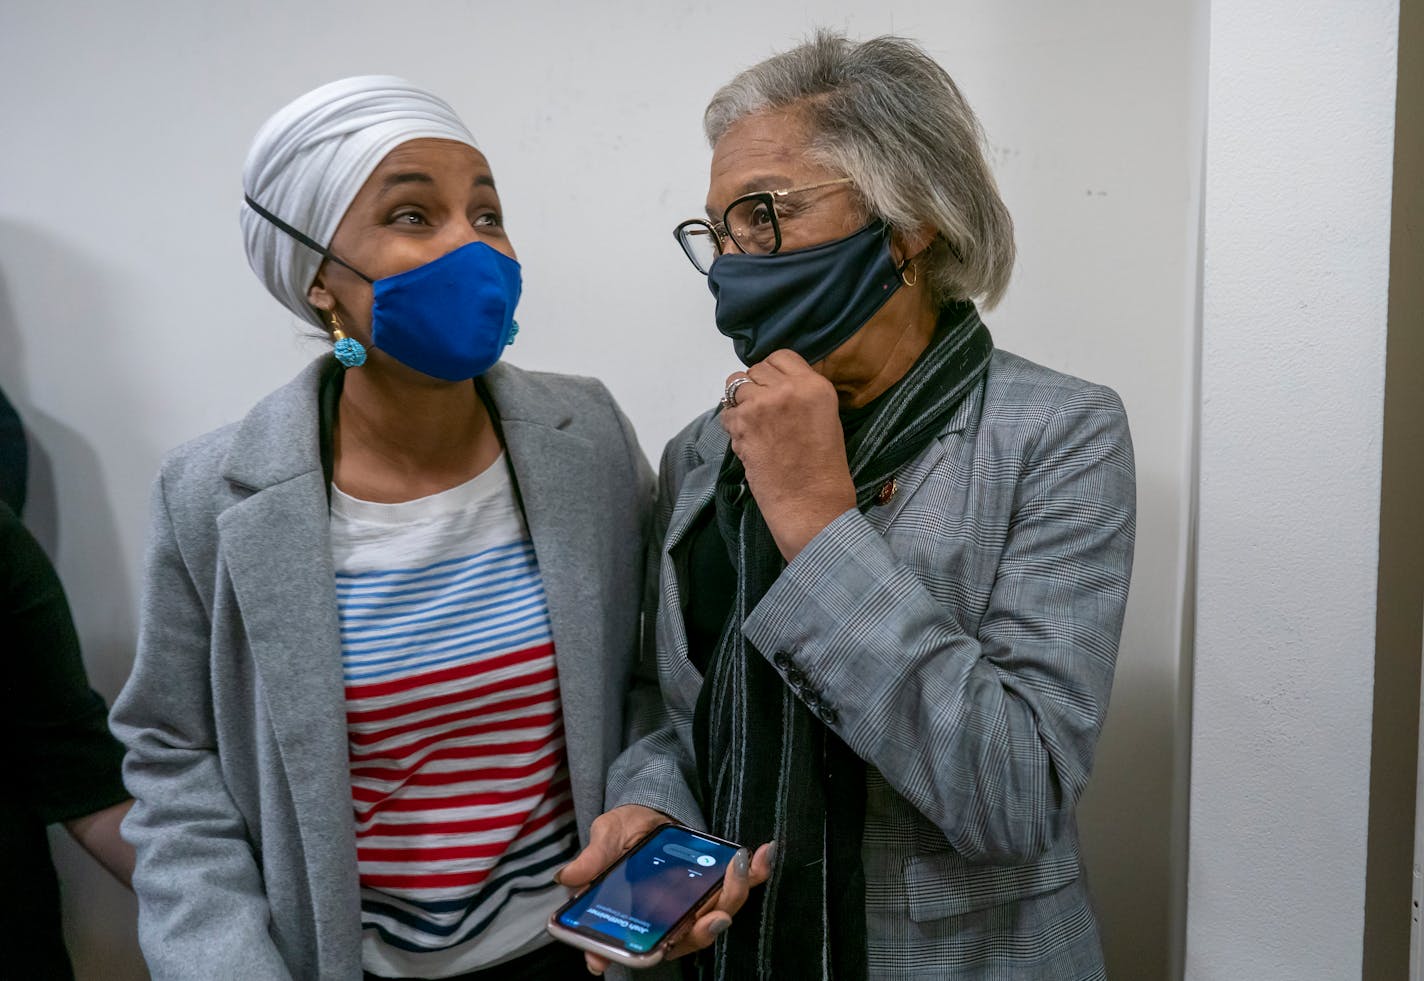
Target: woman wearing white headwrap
(390, 618)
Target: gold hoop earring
(348, 350)
(907, 280)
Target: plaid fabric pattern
(774, 771)
(964, 635)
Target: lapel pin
(886, 494)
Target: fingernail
(741, 864)
(559, 874)
(591, 969)
(771, 853)
(719, 927)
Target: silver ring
(729, 397)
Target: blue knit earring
(348, 350)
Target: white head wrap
(309, 160)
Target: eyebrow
(420, 177)
(406, 177)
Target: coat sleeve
(67, 763)
(202, 908)
(989, 735)
(657, 768)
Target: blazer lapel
(910, 477)
(699, 484)
(694, 495)
(548, 462)
(276, 548)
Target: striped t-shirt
(458, 773)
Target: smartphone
(635, 905)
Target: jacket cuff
(660, 785)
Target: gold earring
(348, 350)
(907, 280)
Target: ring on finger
(729, 395)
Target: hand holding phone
(614, 840)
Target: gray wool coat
(234, 716)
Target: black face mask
(810, 300)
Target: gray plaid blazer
(961, 639)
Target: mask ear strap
(306, 240)
(909, 259)
(947, 244)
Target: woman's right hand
(618, 830)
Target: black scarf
(772, 768)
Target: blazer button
(828, 714)
(781, 659)
(810, 697)
(796, 676)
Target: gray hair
(886, 115)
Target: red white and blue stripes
(458, 774)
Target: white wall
(129, 321)
(1298, 178)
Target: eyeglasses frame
(721, 232)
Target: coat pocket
(944, 884)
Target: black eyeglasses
(750, 222)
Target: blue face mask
(450, 318)
(810, 300)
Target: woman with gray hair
(895, 559)
(389, 618)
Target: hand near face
(786, 430)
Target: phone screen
(644, 895)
